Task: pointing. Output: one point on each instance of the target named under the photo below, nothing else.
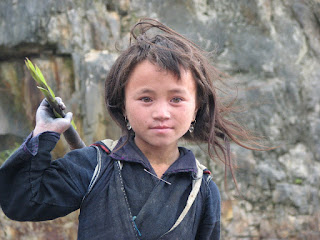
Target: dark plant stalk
(71, 135)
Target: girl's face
(159, 106)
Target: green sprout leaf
(43, 81)
(45, 89)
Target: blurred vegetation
(4, 154)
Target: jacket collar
(131, 153)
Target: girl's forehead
(147, 74)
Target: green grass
(6, 153)
(298, 181)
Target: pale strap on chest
(196, 184)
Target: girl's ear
(124, 111)
(195, 113)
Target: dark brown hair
(171, 51)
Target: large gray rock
(270, 49)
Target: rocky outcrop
(271, 50)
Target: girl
(144, 186)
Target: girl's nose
(161, 111)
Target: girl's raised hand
(46, 121)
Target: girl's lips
(160, 127)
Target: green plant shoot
(45, 89)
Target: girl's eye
(146, 99)
(176, 100)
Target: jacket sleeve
(209, 228)
(35, 188)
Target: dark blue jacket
(127, 203)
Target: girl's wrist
(38, 130)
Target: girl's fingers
(61, 103)
(69, 116)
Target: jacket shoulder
(107, 145)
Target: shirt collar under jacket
(131, 153)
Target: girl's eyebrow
(175, 90)
(178, 90)
(145, 90)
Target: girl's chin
(161, 131)
(157, 142)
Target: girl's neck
(160, 156)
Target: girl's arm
(209, 227)
(35, 188)
(32, 186)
